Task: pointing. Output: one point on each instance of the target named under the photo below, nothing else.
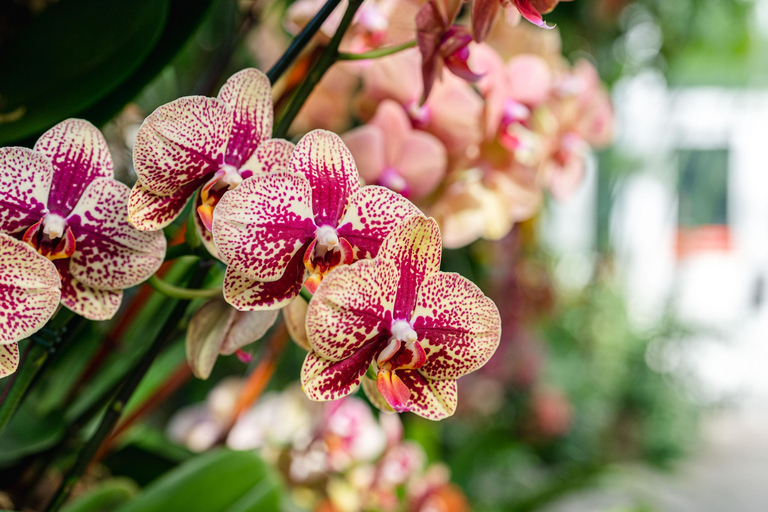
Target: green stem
(380, 52)
(176, 292)
(326, 60)
(305, 294)
(116, 407)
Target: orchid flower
(441, 43)
(423, 328)
(211, 144)
(281, 230)
(29, 295)
(484, 13)
(219, 329)
(390, 153)
(62, 200)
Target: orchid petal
(9, 359)
(351, 308)
(484, 13)
(394, 391)
(325, 379)
(414, 248)
(372, 213)
(110, 253)
(458, 326)
(206, 237)
(181, 142)
(431, 399)
(29, 290)
(456, 111)
(148, 211)
(375, 396)
(207, 330)
(25, 179)
(396, 77)
(530, 13)
(396, 127)
(271, 155)
(422, 162)
(259, 226)
(249, 94)
(295, 316)
(248, 327)
(366, 143)
(530, 79)
(246, 294)
(323, 158)
(79, 154)
(92, 303)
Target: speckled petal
(205, 336)
(111, 254)
(271, 155)
(29, 290)
(25, 179)
(295, 317)
(249, 94)
(148, 211)
(352, 305)
(458, 326)
(249, 326)
(431, 399)
(181, 142)
(246, 294)
(373, 212)
(79, 154)
(328, 165)
(9, 359)
(259, 226)
(414, 247)
(323, 379)
(85, 300)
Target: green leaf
(105, 497)
(29, 433)
(218, 481)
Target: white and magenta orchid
(210, 144)
(278, 231)
(62, 199)
(389, 152)
(423, 328)
(29, 295)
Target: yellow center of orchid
(226, 178)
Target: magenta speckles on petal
(9, 359)
(431, 399)
(85, 300)
(29, 290)
(25, 179)
(271, 155)
(325, 379)
(247, 294)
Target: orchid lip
(54, 225)
(327, 237)
(231, 177)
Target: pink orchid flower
(29, 295)
(423, 328)
(390, 153)
(281, 230)
(62, 200)
(211, 144)
(484, 13)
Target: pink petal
(530, 13)
(248, 327)
(29, 290)
(396, 126)
(271, 155)
(530, 79)
(111, 254)
(246, 294)
(414, 248)
(456, 111)
(484, 13)
(25, 179)
(205, 336)
(148, 211)
(393, 390)
(92, 303)
(396, 77)
(366, 143)
(422, 162)
(249, 93)
(373, 212)
(295, 316)
(323, 158)
(181, 142)
(79, 154)
(260, 226)
(351, 308)
(458, 326)
(431, 399)
(9, 359)
(325, 379)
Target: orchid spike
(62, 200)
(422, 328)
(279, 231)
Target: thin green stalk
(380, 52)
(116, 407)
(301, 40)
(176, 292)
(326, 60)
(305, 294)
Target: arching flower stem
(177, 292)
(379, 52)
